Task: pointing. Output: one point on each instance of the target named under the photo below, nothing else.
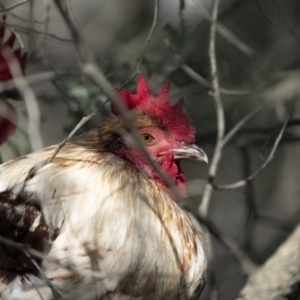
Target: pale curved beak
(190, 151)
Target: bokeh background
(266, 73)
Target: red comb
(174, 117)
(4, 67)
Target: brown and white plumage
(115, 231)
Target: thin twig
(264, 14)
(55, 293)
(197, 77)
(243, 182)
(224, 32)
(252, 214)
(37, 78)
(31, 39)
(14, 6)
(49, 35)
(239, 125)
(29, 99)
(154, 24)
(207, 193)
(17, 36)
(284, 22)
(219, 111)
(245, 263)
(201, 80)
(14, 15)
(47, 4)
(84, 53)
(76, 128)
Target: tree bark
(279, 275)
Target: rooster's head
(166, 131)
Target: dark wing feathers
(22, 223)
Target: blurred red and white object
(8, 114)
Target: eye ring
(147, 138)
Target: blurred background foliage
(258, 216)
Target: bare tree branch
(197, 77)
(204, 206)
(224, 32)
(14, 15)
(29, 98)
(55, 293)
(47, 4)
(34, 79)
(14, 6)
(35, 31)
(259, 170)
(264, 14)
(238, 126)
(219, 111)
(277, 277)
(17, 36)
(246, 265)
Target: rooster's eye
(147, 138)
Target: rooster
(105, 221)
(8, 115)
